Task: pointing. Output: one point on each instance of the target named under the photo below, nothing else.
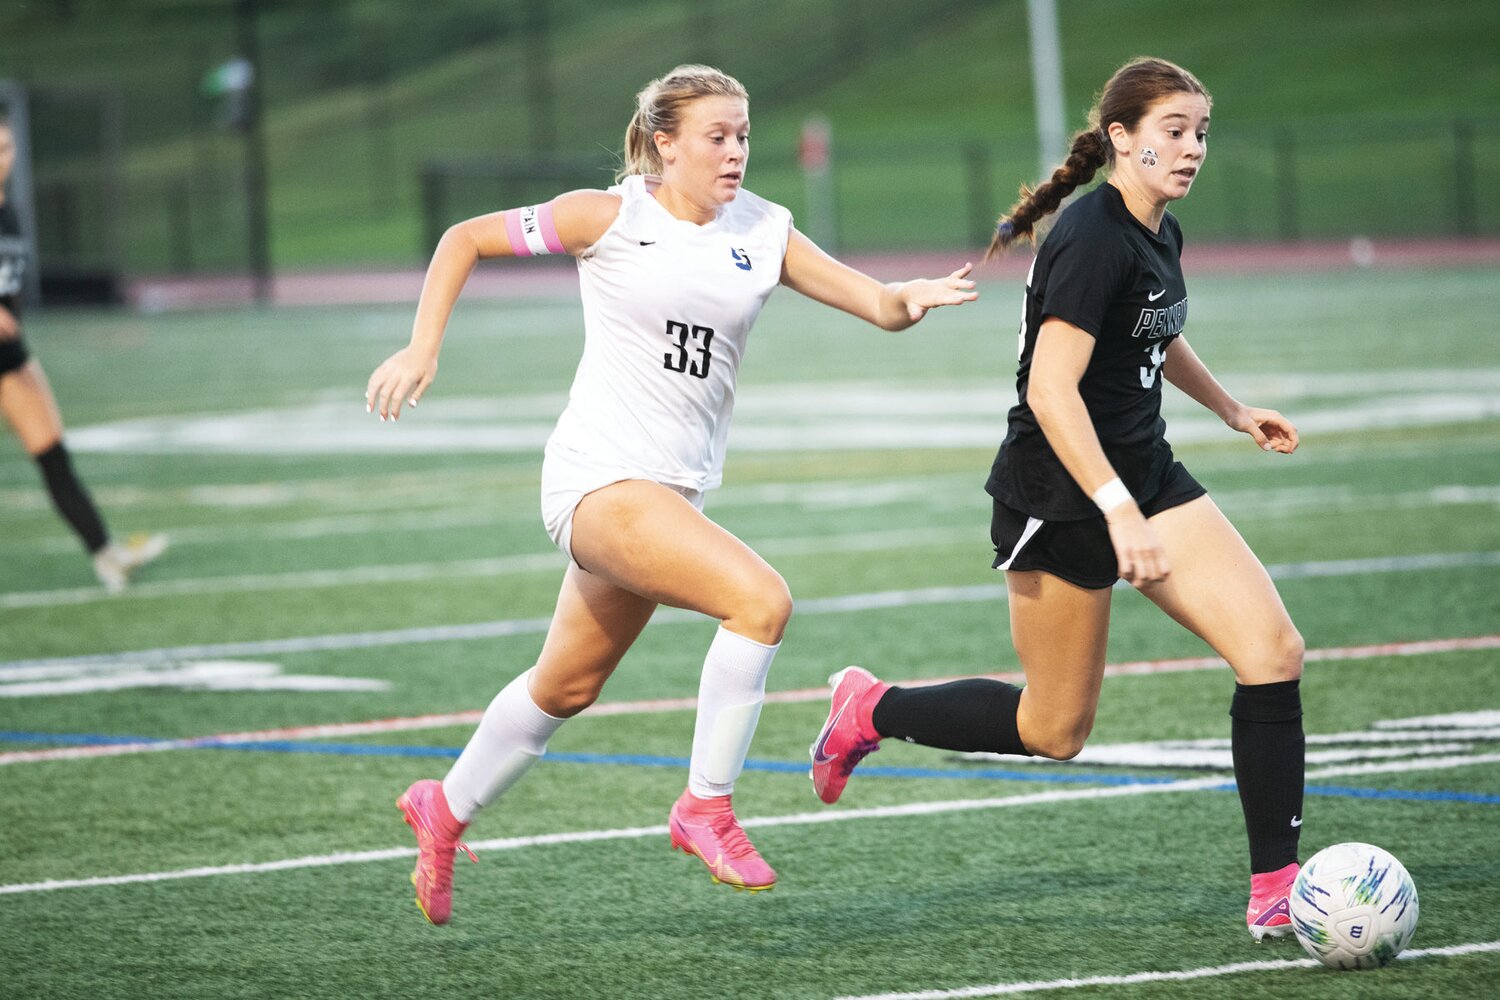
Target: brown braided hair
(1126, 98)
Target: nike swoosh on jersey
(1150, 297)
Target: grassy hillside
(361, 94)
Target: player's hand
(402, 377)
(10, 327)
(1271, 430)
(1138, 551)
(928, 293)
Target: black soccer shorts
(1077, 551)
(13, 354)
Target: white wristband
(1111, 495)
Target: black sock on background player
(969, 715)
(1268, 746)
(70, 498)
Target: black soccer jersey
(12, 259)
(1102, 271)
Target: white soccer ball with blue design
(1354, 906)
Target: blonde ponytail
(659, 108)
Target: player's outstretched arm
(895, 306)
(1269, 429)
(1058, 362)
(569, 223)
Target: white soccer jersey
(667, 307)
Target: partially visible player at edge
(31, 410)
(674, 264)
(1086, 490)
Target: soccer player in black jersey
(1086, 491)
(29, 407)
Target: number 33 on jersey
(668, 306)
(702, 339)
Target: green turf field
(328, 569)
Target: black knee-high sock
(969, 715)
(70, 498)
(1268, 748)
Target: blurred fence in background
(1295, 182)
(384, 118)
(1285, 184)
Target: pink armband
(532, 231)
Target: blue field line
(76, 739)
(1051, 777)
(1402, 794)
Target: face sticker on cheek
(1148, 156)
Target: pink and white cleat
(848, 736)
(437, 829)
(1270, 913)
(708, 829)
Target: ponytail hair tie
(1006, 229)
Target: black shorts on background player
(13, 353)
(1105, 273)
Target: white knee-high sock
(730, 696)
(511, 737)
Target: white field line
(838, 415)
(259, 736)
(398, 494)
(442, 519)
(548, 561)
(1182, 975)
(190, 675)
(551, 561)
(813, 401)
(793, 819)
(300, 644)
(1195, 754)
(935, 491)
(1457, 720)
(304, 579)
(1382, 731)
(1136, 668)
(1400, 767)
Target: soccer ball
(1354, 907)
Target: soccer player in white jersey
(674, 264)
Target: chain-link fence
(1282, 184)
(386, 121)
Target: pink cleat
(848, 736)
(708, 828)
(1270, 906)
(437, 830)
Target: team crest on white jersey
(741, 258)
